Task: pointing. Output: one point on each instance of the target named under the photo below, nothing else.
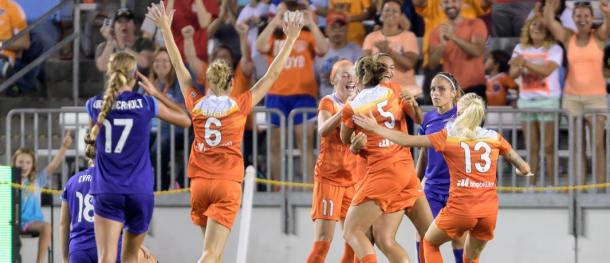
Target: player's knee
(324, 237)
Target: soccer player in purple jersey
(122, 183)
(77, 237)
(445, 93)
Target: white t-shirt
(532, 85)
(260, 10)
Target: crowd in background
(560, 61)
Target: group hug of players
(365, 175)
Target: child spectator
(499, 83)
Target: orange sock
(467, 260)
(431, 253)
(356, 259)
(420, 253)
(319, 251)
(348, 254)
(370, 258)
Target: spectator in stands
(500, 85)
(460, 44)
(563, 13)
(508, 16)
(163, 76)
(252, 15)
(223, 29)
(434, 15)
(145, 55)
(585, 87)
(356, 11)
(339, 49)
(196, 13)
(12, 21)
(32, 219)
(42, 38)
(296, 87)
(536, 60)
(119, 35)
(321, 8)
(399, 44)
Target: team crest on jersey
(368, 98)
(214, 106)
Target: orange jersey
(336, 164)
(12, 19)
(387, 109)
(218, 123)
(297, 77)
(472, 168)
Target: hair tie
(453, 86)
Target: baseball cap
(123, 12)
(336, 17)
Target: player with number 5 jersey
(471, 153)
(216, 165)
(122, 183)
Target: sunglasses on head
(582, 3)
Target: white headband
(448, 79)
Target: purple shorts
(133, 210)
(436, 201)
(84, 256)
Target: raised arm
(64, 231)
(604, 30)
(262, 42)
(168, 110)
(367, 122)
(56, 161)
(245, 63)
(522, 167)
(163, 20)
(204, 18)
(560, 33)
(322, 45)
(292, 29)
(190, 51)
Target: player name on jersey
(122, 105)
(84, 178)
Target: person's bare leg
(215, 239)
(532, 130)
(44, 239)
(384, 231)
(421, 217)
(323, 236)
(549, 152)
(473, 248)
(131, 246)
(107, 234)
(433, 239)
(359, 220)
(600, 148)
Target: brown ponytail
(370, 71)
(121, 70)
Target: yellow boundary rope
(309, 186)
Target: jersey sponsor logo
(200, 147)
(385, 143)
(468, 183)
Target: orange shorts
(216, 199)
(392, 188)
(454, 225)
(330, 202)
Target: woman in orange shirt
(390, 186)
(216, 163)
(472, 153)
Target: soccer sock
(319, 251)
(420, 252)
(466, 260)
(432, 253)
(348, 254)
(459, 255)
(370, 258)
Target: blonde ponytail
(121, 70)
(471, 112)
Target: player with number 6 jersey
(216, 164)
(471, 153)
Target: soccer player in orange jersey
(216, 165)
(390, 186)
(471, 153)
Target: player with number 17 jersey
(122, 164)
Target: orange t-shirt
(297, 77)
(497, 89)
(472, 170)
(336, 164)
(218, 124)
(12, 19)
(468, 71)
(434, 16)
(387, 109)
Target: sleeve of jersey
(438, 140)
(346, 117)
(192, 95)
(153, 105)
(326, 105)
(503, 145)
(89, 108)
(64, 194)
(244, 102)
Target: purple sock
(458, 253)
(417, 244)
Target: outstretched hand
(160, 16)
(292, 24)
(68, 139)
(367, 122)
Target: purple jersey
(76, 195)
(437, 173)
(122, 164)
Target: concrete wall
(522, 235)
